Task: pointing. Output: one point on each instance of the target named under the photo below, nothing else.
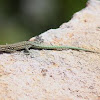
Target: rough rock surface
(57, 75)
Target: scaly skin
(26, 45)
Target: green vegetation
(23, 19)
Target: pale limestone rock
(57, 75)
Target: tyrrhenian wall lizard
(26, 45)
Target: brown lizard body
(26, 45)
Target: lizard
(26, 45)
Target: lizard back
(15, 46)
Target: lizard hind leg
(26, 51)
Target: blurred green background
(22, 19)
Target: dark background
(23, 19)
